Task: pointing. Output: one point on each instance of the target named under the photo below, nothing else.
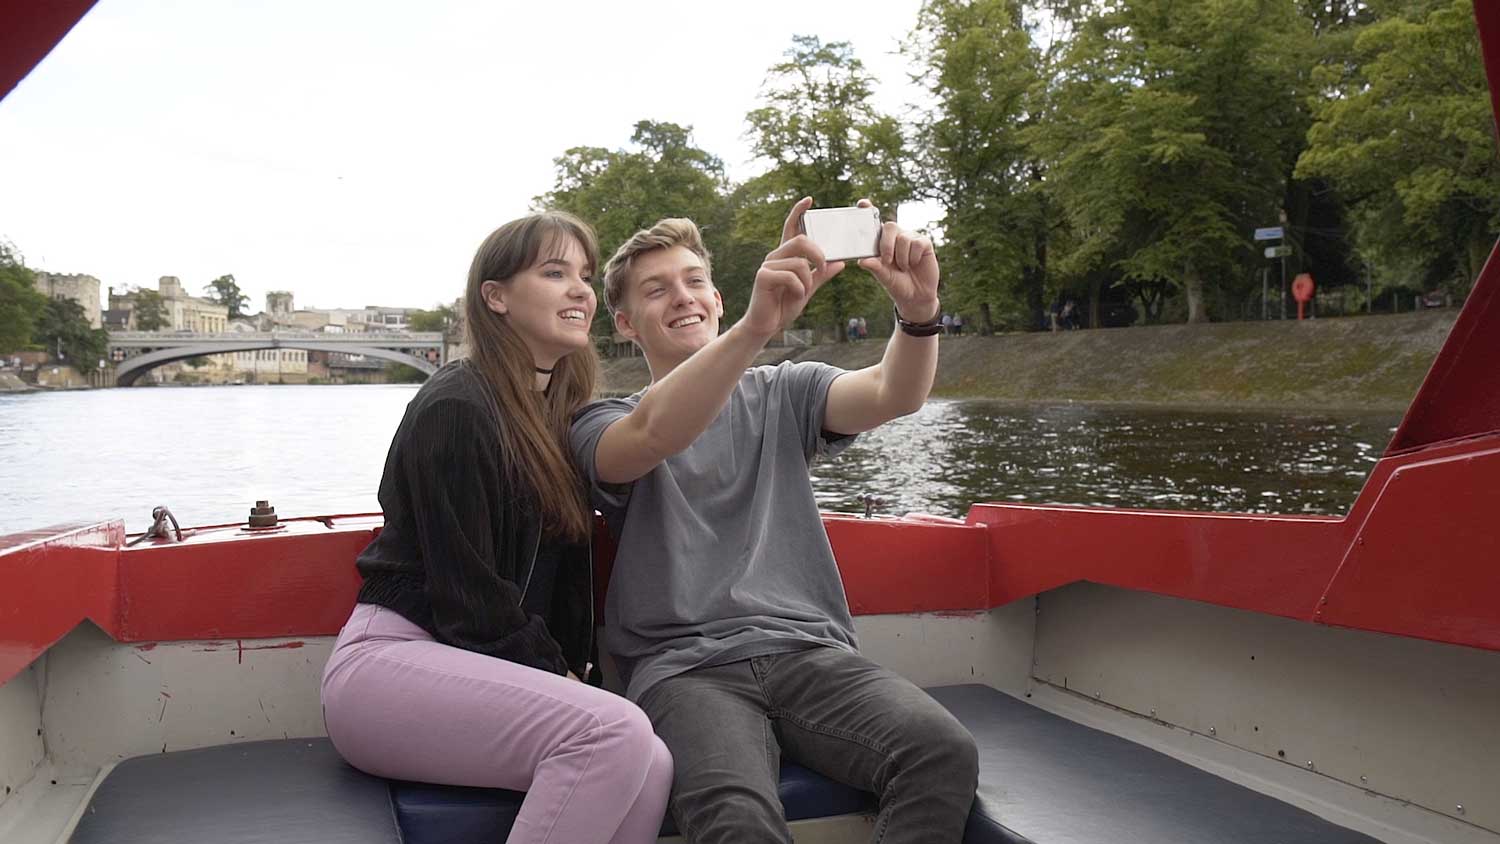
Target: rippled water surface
(954, 453)
(209, 452)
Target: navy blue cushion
(443, 813)
(1042, 779)
(446, 813)
(1046, 779)
(295, 791)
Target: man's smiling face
(671, 307)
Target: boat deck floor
(1043, 779)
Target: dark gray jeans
(829, 710)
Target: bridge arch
(132, 368)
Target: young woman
(461, 661)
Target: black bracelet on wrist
(918, 329)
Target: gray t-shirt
(722, 553)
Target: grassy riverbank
(1351, 363)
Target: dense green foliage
(821, 136)
(225, 291)
(1404, 131)
(662, 174)
(980, 65)
(63, 330)
(20, 302)
(1115, 153)
(440, 318)
(150, 310)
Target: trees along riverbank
(1370, 363)
(1117, 156)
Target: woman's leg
(399, 705)
(643, 820)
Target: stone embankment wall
(1349, 363)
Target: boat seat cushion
(1042, 780)
(430, 814)
(1045, 779)
(266, 792)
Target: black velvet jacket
(456, 554)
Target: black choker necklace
(541, 371)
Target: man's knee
(947, 749)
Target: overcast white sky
(357, 152)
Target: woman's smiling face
(551, 303)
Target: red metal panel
(1426, 563)
(50, 580)
(28, 32)
(907, 566)
(1271, 564)
(1461, 395)
(238, 585)
(888, 565)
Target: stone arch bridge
(137, 352)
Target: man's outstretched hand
(907, 268)
(788, 278)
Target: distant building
(83, 289)
(386, 319)
(183, 312)
(310, 320)
(279, 304)
(270, 365)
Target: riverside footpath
(1345, 363)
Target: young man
(726, 615)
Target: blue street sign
(1270, 234)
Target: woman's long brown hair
(534, 424)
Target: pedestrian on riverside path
(947, 323)
(463, 659)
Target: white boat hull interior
(1384, 735)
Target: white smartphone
(844, 233)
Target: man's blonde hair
(667, 233)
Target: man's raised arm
(682, 404)
(898, 385)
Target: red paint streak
(149, 646)
(282, 646)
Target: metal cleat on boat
(160, 516)
(262, 516)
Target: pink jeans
(399, 705)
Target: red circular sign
(1303, 287)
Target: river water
(210, 452)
